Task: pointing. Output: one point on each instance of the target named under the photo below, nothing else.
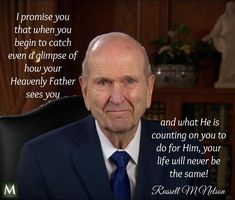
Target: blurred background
(145, 20)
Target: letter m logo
(9, 190)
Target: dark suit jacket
(68, 164)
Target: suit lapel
(88, 160)
(148, 172)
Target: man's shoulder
(154, 126)
(158, 133)
(74, 132)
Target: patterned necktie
(119, 179)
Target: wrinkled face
(116, 90)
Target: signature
(187, 190)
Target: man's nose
(117, 94)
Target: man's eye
(103, 82)
(130, 81)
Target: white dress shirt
(132, 149)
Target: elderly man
(111, 154)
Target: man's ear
(83, 85)
(150, 85)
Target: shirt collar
(108, 148)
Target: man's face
(116, 90)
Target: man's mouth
(117, 112)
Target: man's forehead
(118, 62)
(115, 67)
(116, 54)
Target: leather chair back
(18, 129)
